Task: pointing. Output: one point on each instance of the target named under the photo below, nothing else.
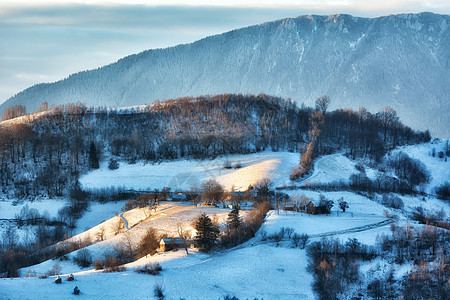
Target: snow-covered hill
(184, 174)
(258, 268)
(397, 60)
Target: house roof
(316, 203)
(175, 241)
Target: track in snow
(354, 229)
(124, 221)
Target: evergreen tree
(207, 232)
(93, 157)
(234, 220)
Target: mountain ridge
(395, 60)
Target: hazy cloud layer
(44, 43)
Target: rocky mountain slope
(397, 60)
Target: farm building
(318, 207)
(167, 244)
(179, 197)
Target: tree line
(46, 156)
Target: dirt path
(354, 229)
(124, 221)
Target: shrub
(149, 243)
(152, 269)
(443, 191)
(360, 167)
(304, 238)
(83, 258)
(392, 201)
(158, 291)
(113, 264)
(113, 164)
(99, 264)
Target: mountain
(399, 60)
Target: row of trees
(48, 154)
(335, 266)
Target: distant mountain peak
(398, 60)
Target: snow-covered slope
(439, 168)
(397, 60)
(183, 174)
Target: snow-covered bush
(392, 201)
(83, 258)
(443, 191)
(113, 164)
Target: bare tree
(322, 103)
(212, 191)
(388, 117)
(101, 233)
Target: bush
(113, 164)
(304, 238)
(158, 291)
(443, 191)
(113, 264)
(413, 171)
(99, 264)
(152, 269)
(149, 243)
(83, 258)
(393, 201)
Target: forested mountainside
(398, 60)
(45, 154)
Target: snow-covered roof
(315, 202)
(172, 241)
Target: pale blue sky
(44, 41)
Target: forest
(45, 155)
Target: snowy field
(182, 174)
(438, 167)
(258, 268)
(165, 220)
(98, 213)
(261, 271)
(330, 168)
(9, 208)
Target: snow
(257, 268)
(438, 167)
(244, 273)
(330, 168)
(182, 174)
(96, 214)
(317, 226)
(9, 208)
(228, 63)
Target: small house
(313, 207)
(290, 207)
(167, 244)
(179, 197)
(318, 207)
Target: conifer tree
(234, 220)
(207, 232)
(93, 157)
